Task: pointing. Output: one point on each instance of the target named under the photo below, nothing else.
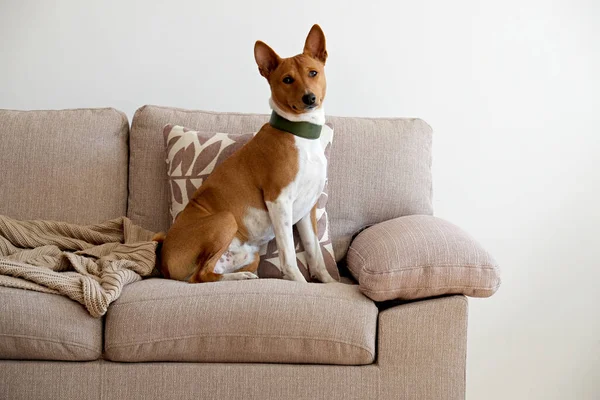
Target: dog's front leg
(280, 212)
(308, 234)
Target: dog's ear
(315, 44)
(266, 58)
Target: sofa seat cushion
(265, 320)
(42, 326)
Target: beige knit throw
(89, 264)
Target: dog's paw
(296, 277)
(239, 276)
(247, 275)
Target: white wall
(511, 89)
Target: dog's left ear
(266, 59)
(315, 44)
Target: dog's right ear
(315, 44)
(266, 58)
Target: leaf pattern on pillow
(177, 195)
(322, 227)
(189, 186)
(176, 161)
(206, 156)
(172, 143)
(187, 158)
(193, 155)
(241, 140)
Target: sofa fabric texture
(67, 165)
(265, 320)
(421, 256)
(422, 349)
(42, 326)
(379, 169)
(192, 156)
(102, 380)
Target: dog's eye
(312, 74)
(288, 80)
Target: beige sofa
(264, 339)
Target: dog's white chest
(310, 180)
(299, 196)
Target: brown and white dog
(263, 189)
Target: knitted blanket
(89, 264)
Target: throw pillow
(420, 256)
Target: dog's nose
(309, 99)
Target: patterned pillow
(193, 155)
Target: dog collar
(302, 129)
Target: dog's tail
(159, 238)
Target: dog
(263, 189)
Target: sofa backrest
(379, 169)
(68, 165)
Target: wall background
(511, 89)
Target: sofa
(367, 337)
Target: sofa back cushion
(68, 165)
(379, 169)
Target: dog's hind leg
(236, 257)
(195, 242)
(253, 266)
(223, 257)
(245, 266)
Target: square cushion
(67, 165)
(421, 256)
(264, 320)
(379, 168)
(192, 156)
(42, 326)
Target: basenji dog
(263, 189)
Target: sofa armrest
(420, 256)
(422, 349)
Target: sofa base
(109, 380)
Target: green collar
(302, 129)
